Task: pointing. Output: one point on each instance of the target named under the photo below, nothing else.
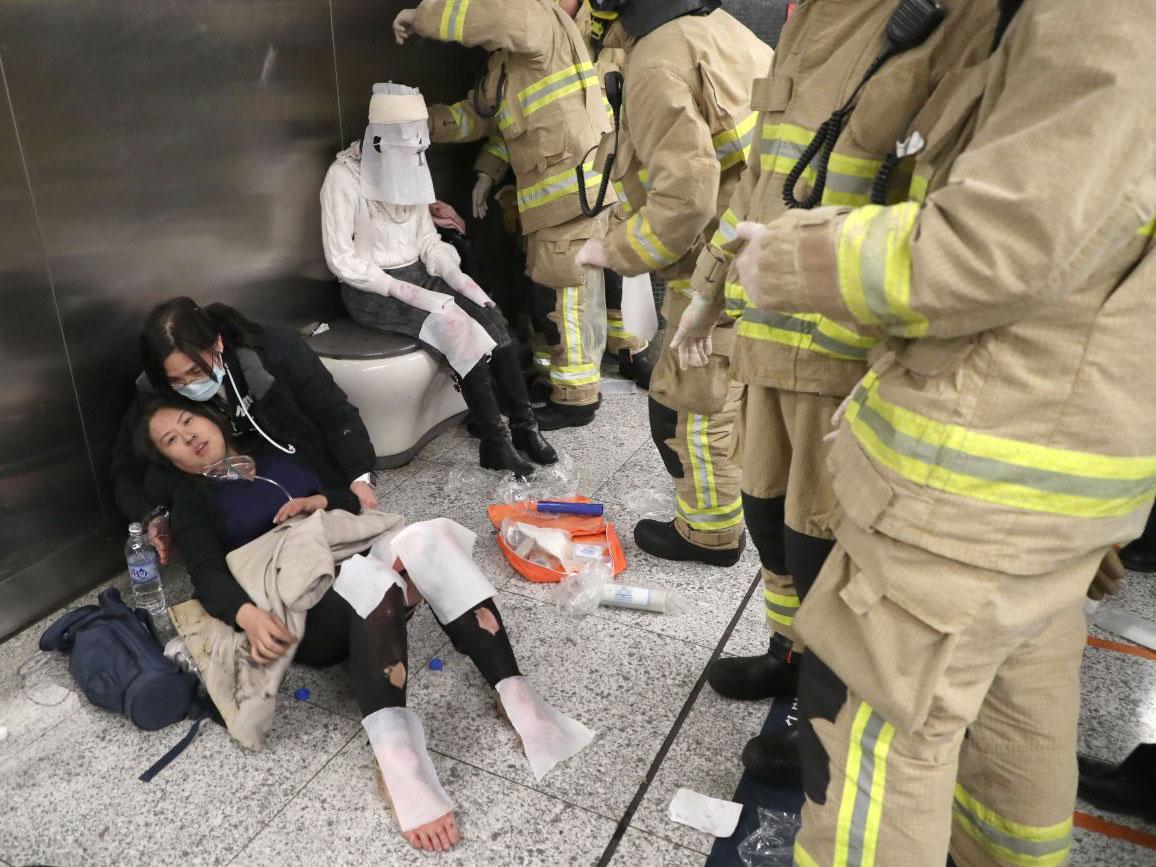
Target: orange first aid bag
(582, 528)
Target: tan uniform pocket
(550, 254)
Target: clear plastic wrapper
(44, 678)
(470, 480)
(773, 842)
(557, 481)
(650, 503)
(579, 594)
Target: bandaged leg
(398, 742)
(437, 557)
(548, 736)
(363, 582)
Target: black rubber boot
(555, 416)
(506, 373)
(773, 757)
(1128, 788)
(639, 367)
(662, 540)
(496, 451)
(755, 678)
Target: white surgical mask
(203, 389)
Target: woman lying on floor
(213, 516)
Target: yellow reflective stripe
(736, 300)
(733, 146)
(802, 857)
(996, 469)
(864, 780)
(849, 178)
(918, 190)
(615, 327)
(453, 21)
(1008, 841)
(496, 146)
(681, 286)
(874, 264)
(557, 187)
(646, 244)
(702, 466)
(644, 177)
(711, 519)
(462, 121)
(557, 85)
(572, 326)
(785, 600)
(809, 331)
(726, 237)
(1148, 229)
(780, 607)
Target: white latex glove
(592, 254)
(692, 338)
(416, 296)
(404, 25)
(748, 262)
(481, 195)
(464, 285)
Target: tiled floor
(68, 788)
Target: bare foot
(440, 835)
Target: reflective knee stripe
(781, 608)
(646, 244)
(496, 147)
(701, 463)
(809, 331)
(557, 187)
(864, 781)
(802, 857)
(874, 262)
(711, 520)
(574, 375)
(571, 326)
(849, 179)
(453, 23)
(615, 327)
(733, 146)
(997, 469)
(1008, 841)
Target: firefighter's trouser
(786, 493)
(569, 311)
(617, 337)
(692, 418)
(939, 705)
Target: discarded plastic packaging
(644, 599)
(554, 482)
(703, 813)
(772, 843)
(42, 679)
(580, 593)
(470, 480)
(650, 503)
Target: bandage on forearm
(398, 742)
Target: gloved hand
(748, 263)
(1106, 581)
(692, 338)
(592, 254)
(464, 285)
(404, 25)
(481, 195)
(446, 217)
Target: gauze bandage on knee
(548, 736)
(363, 583)
(436, 556)
(398, 742)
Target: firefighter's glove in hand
(748, 264)
(465, 286)
(404, 25)
(692, 338)
(1108, 577)
(481, 195)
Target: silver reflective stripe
(864, 785)
(640, 239)
(698, 444)
(736, 304)
(691, 514)
(786, 322)
(452, 30)
(1029, 848)
(781, 610)
(534, 96)
(735, 145)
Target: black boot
(506, 373)
(773, 757)
(662, 540)
(1128, 788)
(555, 416)
(496, 451)
(639, 367)
(755, 678)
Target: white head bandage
(393, 159)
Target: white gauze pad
(398, 742)
(363, 583)
(548, 736)
(436, 555)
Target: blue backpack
(116, 660)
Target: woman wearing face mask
(266, 383)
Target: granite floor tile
(390, 480)
(637, 849)
(340, 819)
(73, 797)
(627, 684)
(705, 757)
(1096, 850)
(437, 448)
(1118, 707)
(751, 633)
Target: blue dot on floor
(436, 664)
(301, 694)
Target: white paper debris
(711, 815)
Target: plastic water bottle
(144, 570)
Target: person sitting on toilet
(398, 276)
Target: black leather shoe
(773, 757)
(529, 439)
(1128, 788)
(754, 678)
(638, 367)
(662, 540)
(555, 416)
(1139, 556)
(495, 454)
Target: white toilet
(405, 397)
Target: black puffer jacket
(294, 400)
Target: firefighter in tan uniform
(686, 127)
(999, 445)
(541, 92)
(795, 369)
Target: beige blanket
(285, 571)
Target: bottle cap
(436, 664)
(135, 529)
(301, 694)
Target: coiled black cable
(480, 83)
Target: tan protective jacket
(825, 49)
(543, 90)
(686, 130)
(1010, 423)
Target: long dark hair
(181, 325)
(147, 450)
